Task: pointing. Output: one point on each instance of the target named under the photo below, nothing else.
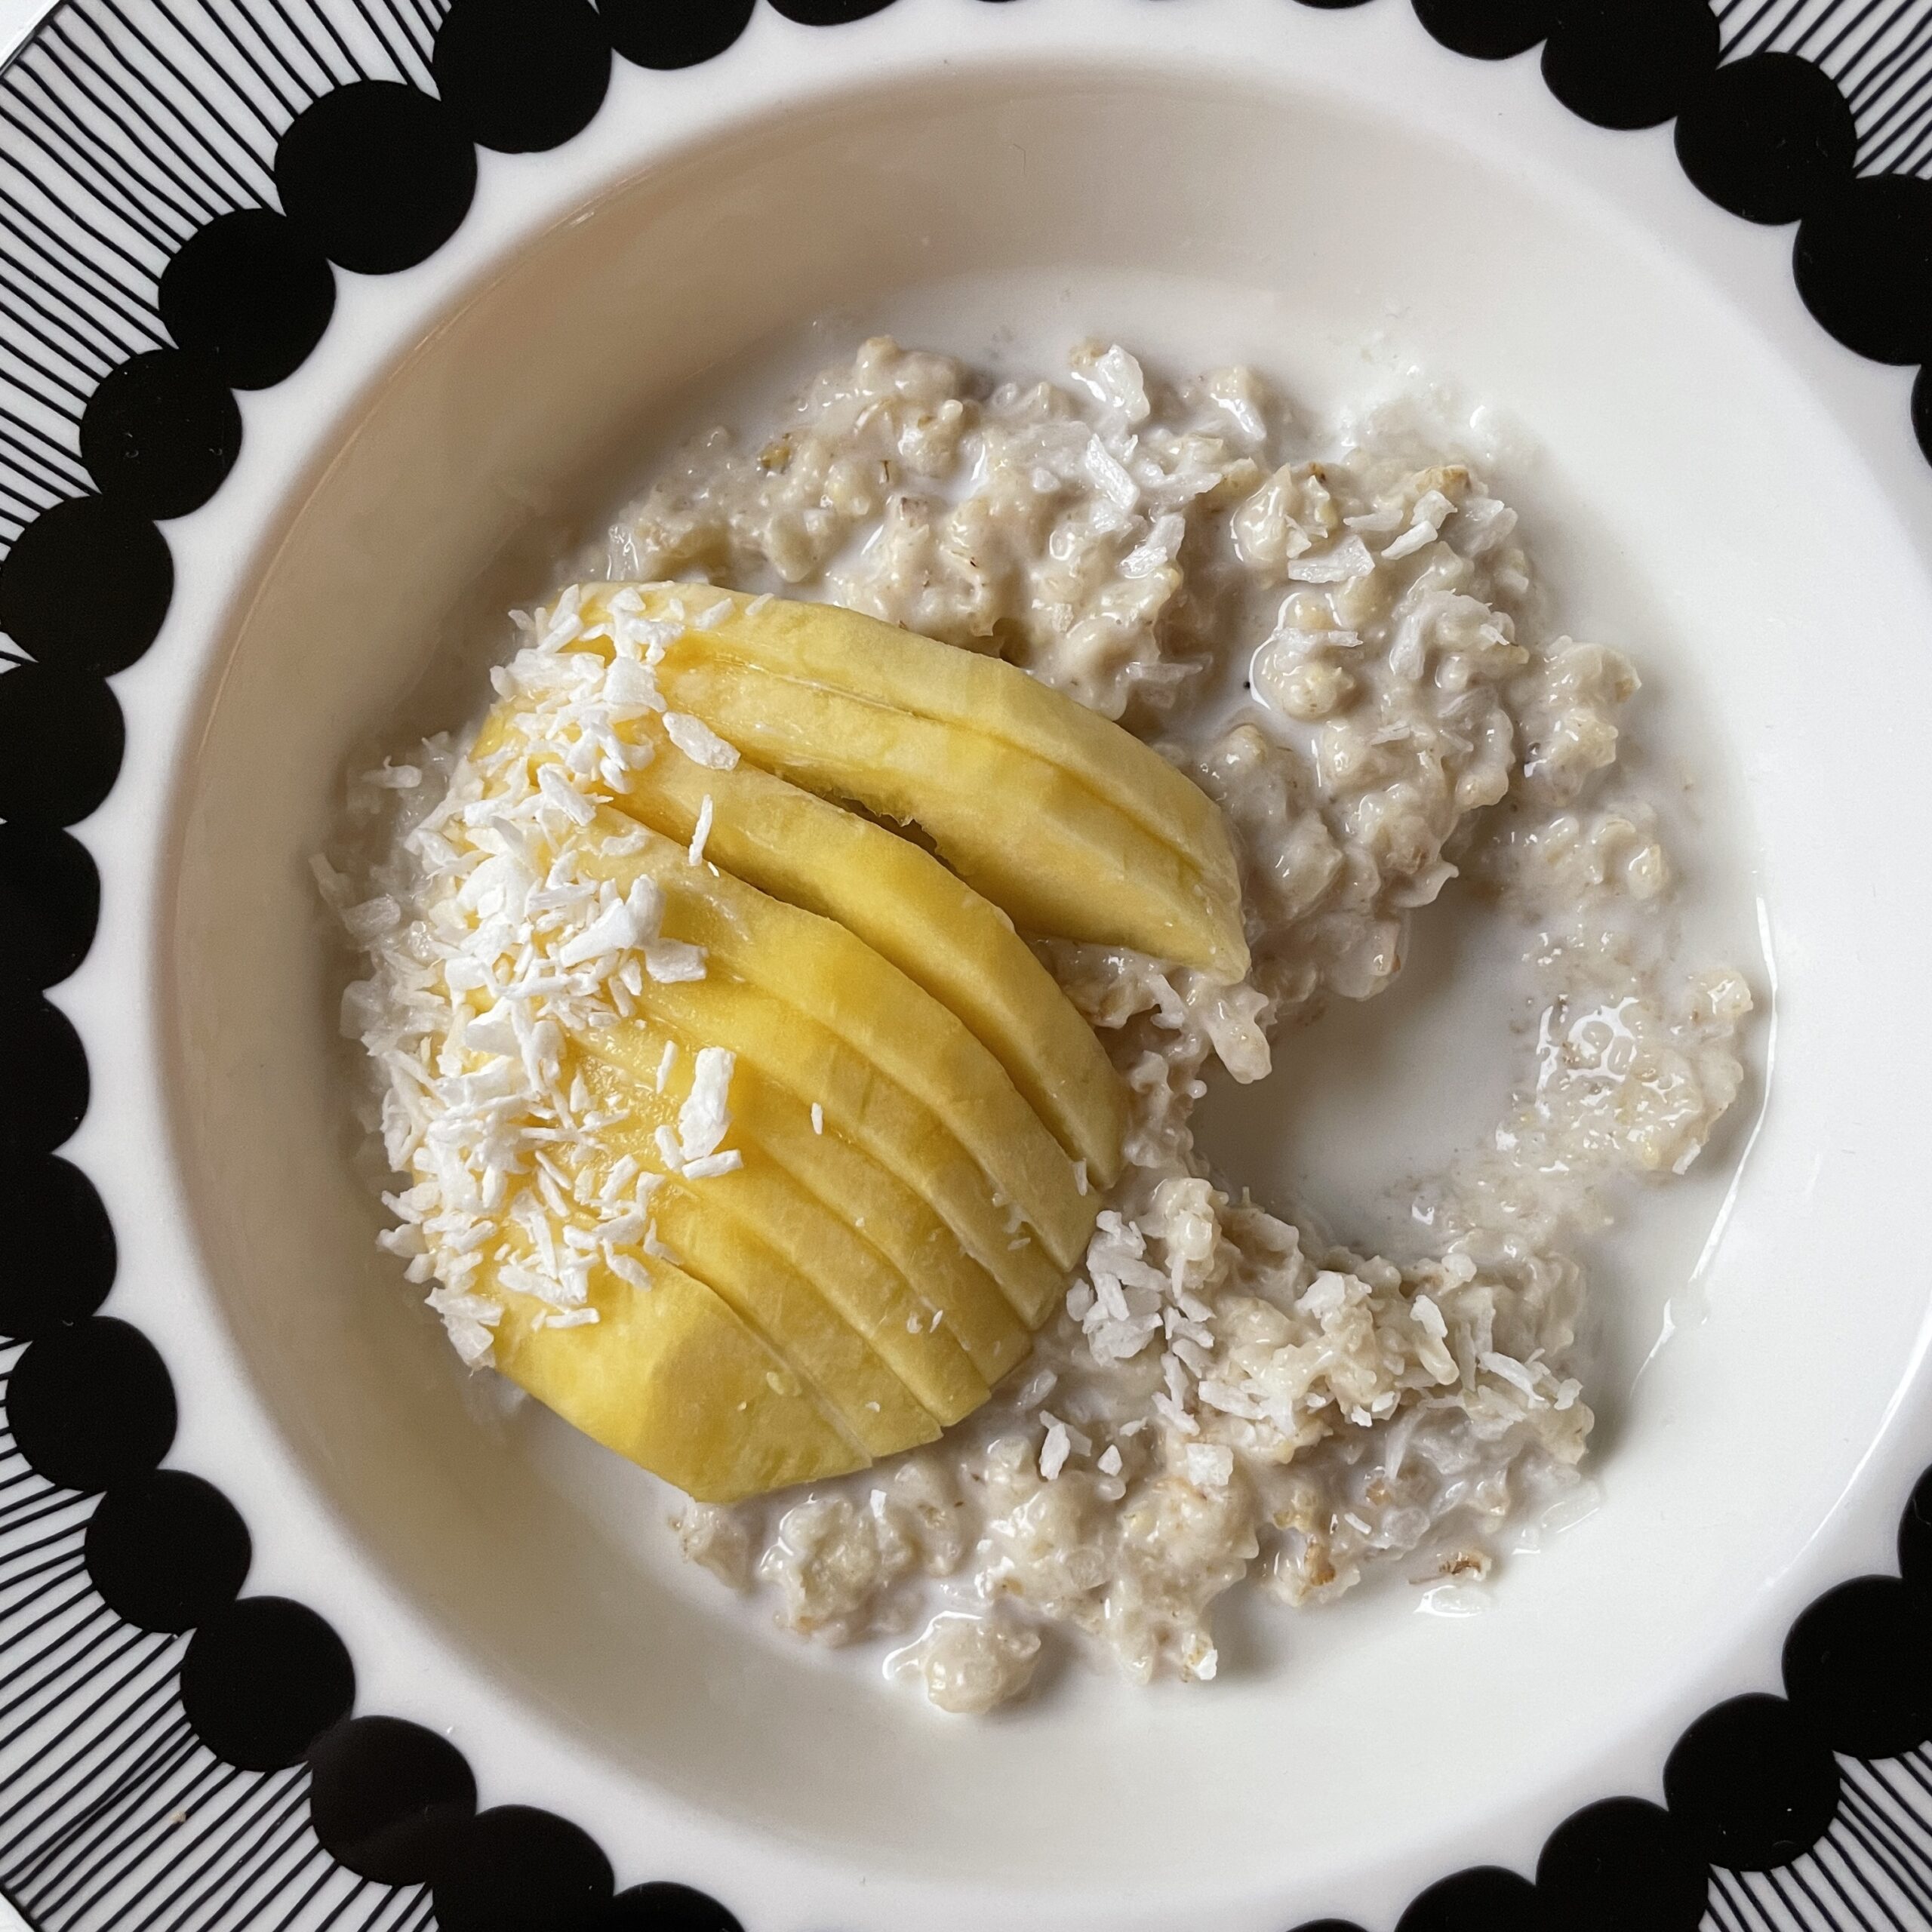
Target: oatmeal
(1342, 643)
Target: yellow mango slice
(933, 1304)
(1172, 891)
(671, 1379)
(905, 1329)
(828, 975)
(795, 1319)
(812, 1065)
(910, 910)
(1019, 829)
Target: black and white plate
(310, 311)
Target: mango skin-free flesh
(921, 1122)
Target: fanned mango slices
(677, 1382)
(815, 965)
(1068, 822)
(787, 1055)
(822, 1205)
(912, 911)
(920, 1122)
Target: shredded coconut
(698, 741)
(1273, 1406)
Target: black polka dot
(161, 433)
(1916, 1525)
(673, 33)
(1751, 1786)
(61, 742)
(1768, 136)
(1864, 267)
(1629, 63)
(1620, 1863)
(61, 1259)
(1328, 1925)
(43, 1076)
(1921, 428)
(1858, 1667)
(166, 1551)
(1334, 5)
(377, 175)
(830, 13)
(514, 1868)
(250, 295)
(385, 1797)
(663, 1907)
(1488, 29)
(1486, 1899)
(122, 560)
(91, 1406)
(50, 902)
(262, 1679)
(522, 75)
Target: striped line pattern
(114, 1816)
(125, 126)
(1879, 52)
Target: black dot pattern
(830, 13)
(1751, 1786)
(1488, 29)
(377, 176)
(1770, 137)
(388, 1798)
(50, 902)
(669, 34)
(373, 176)
(664, 1907)
(515, 1866)
(116, 552)
(161, 433)
(62, 1255)
(522, 75)
(1857, 1668)
(1485, 1899)
(91, 1405)
(1622, 1863)
(62, 738)
(1864, 267)
(43, 1073)
(166, 1551)
(1629, 63)
(262, 1680)
(1915, 1526)
(249, 296)
(1921, 414)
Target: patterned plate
(180, 183)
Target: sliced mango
(1130, 851)
(909, 908)
(936, 1301)
(921, 1122)
(815, 1067)
(784, 1308)
(1019, 829)
(671, 1379)
(830, 975)
(904, 1329)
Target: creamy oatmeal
(1343, 643)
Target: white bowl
(1714, 486)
